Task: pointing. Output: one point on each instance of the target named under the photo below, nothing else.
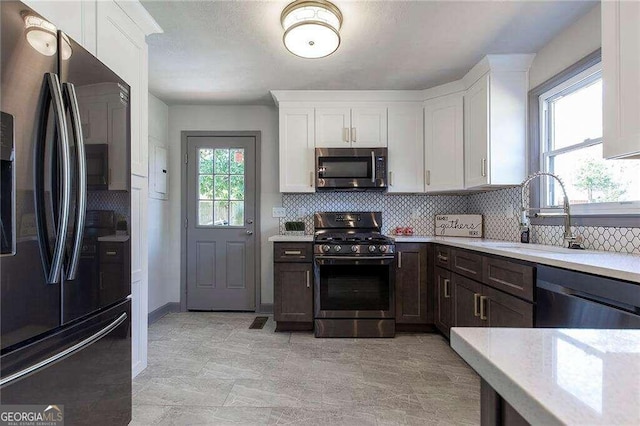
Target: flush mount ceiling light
(311, 28)
(41, 34)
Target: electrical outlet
(415, 214)
(302, 211)
(279, 212)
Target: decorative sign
(459, 225)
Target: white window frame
(574, 83)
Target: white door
(333, 126)
(406, 155)
(444, 143)
(297, 156)
(476, 145)
(368, 127)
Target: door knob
(249, 232)
(250, 221)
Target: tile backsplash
(500, 210)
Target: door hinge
(186, 158)
(186, 223)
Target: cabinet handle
(390, 178)
(292, 252)
(109, 177)
(311, 179)
(483, 167)
(111, 253)
(476, 305)
(399, 260)
(483, 307)
(308, 280)
(427, 177)
(345, 134)
(447, 291)
(353, 134)
(442, 258)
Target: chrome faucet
(569, 239)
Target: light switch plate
(279, 212)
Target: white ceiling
(231, 52)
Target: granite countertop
(559, 376)
(609, 264)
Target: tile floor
(209, 368)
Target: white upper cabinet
(344, 127)
(369, 127)
(333, 127)
(621, 78)
(297, 159)
(122, 47)
(406, 149)
(495, 107)
(443, 143)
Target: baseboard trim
(266, 308)
(162, 311)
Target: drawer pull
(476, 305)
(111, 253)
(443, 258)
(399, 260)
(483, 307)
(292, 252)
(308, 280)
(447, 290)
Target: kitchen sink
(541, 249)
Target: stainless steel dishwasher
(569, 299)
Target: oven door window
(354, 288)
(345, 167)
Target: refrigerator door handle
(72, 100)
(67, 352)
(53, 84)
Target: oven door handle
(354, 260)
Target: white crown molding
(493, 63)
(138, 14)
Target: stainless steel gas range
(353, 276)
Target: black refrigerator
(65, 330)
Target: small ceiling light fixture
(41, 34)
(311, 28)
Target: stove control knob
(383, 249)
(354, 249)
(337, 248)
(372, 249)
(326, 248)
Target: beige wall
(221, 118)
(567, 48)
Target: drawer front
(292, 252)
(112, 252)
(466, 263)
(443, 256)
(510, 277)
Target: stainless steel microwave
(351, 169)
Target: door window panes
(221, 187)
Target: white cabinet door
(122, 47)
(368, 127)
(621, 78)
(476, 144)
(139, 273)
(406, 149)
(333, 127)
(297, 159)
(444, 143)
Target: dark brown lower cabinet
(466, 302)
(503, 310)
(478, 305)
(413, 302)
(444, 298)
(293, 285)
